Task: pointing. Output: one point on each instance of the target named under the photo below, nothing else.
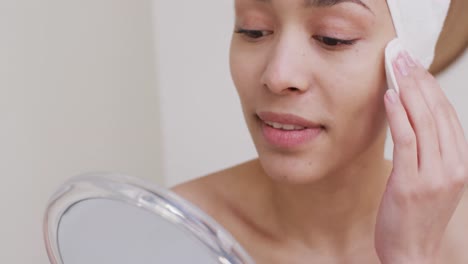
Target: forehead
(373, 6)
(322, 3)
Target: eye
(334, 42)
(253, 34)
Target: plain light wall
(202, 124)
(77, 94)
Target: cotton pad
(392, 50)
(418, 24)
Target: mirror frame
(148, 197)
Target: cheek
(245, 72)
(361, 76)
(358, 94)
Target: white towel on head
(418, 24)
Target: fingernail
(400, 64)
(409, 60)
(391, 96)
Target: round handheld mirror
(109, 218)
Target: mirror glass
(98, 219)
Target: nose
(287, 69)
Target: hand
(429, 168)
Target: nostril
(293, 89)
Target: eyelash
(328, 41)
(334, 42)
(252, 34)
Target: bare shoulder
(236, 199)
(215, 193)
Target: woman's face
(310, 77)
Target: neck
(336, 211)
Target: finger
(452, 142)
(446, 121)
(405, 158)
(418, 112)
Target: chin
(294, 169)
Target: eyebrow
(328, 3)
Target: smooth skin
(335, 199)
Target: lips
(284, 126)
(286, 121)
(288, 131)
